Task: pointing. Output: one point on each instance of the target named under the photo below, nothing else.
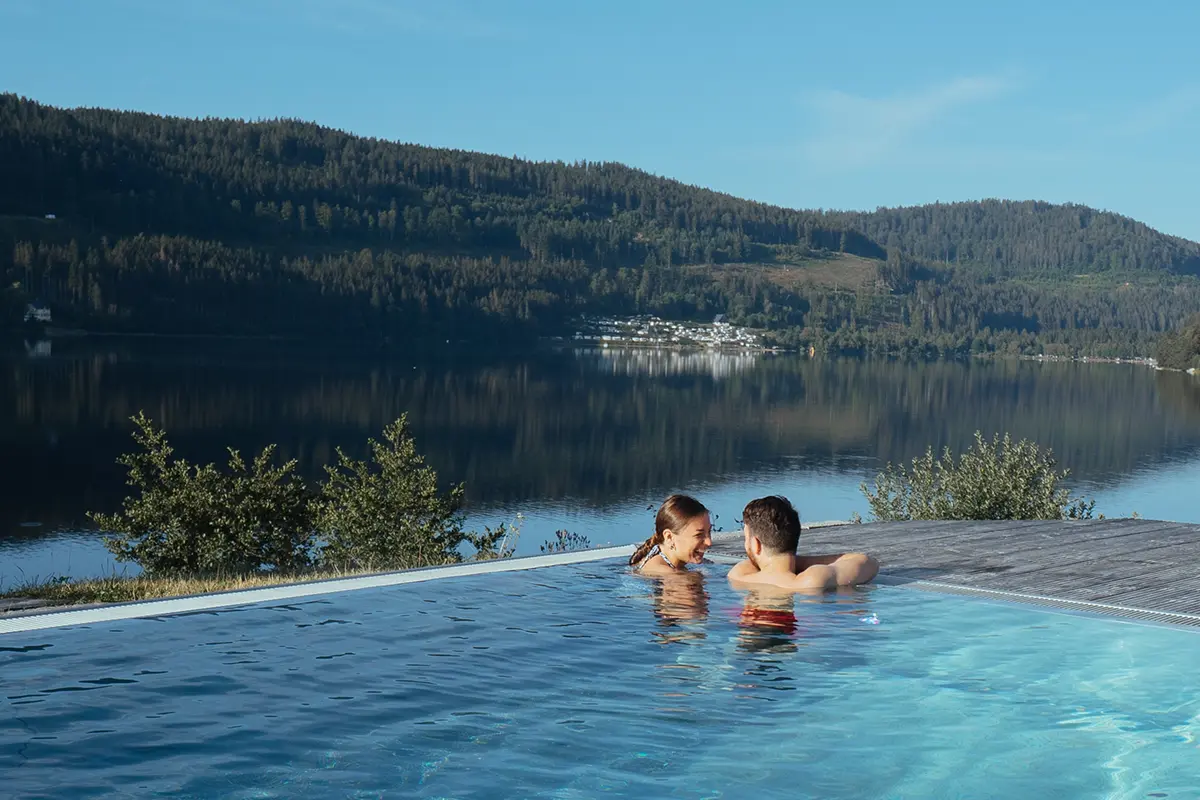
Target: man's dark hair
(774, 522)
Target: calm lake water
(586, 440)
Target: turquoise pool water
(584, 681)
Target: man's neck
(777, 563)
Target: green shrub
(565, 542)
(389, 514)
(188, 520)
(994, 479)
(498, 542)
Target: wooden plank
(1105, 556)
(1162, 579)
(1105, 544)
(1123, 546)
(951, 531)
(1107, 571)
(1088, 539)
(1047, 535)
(907, 535)
(1157, 598)
(1025, 530)
(999, 539)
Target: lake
(588, 440)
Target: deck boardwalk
(1123, 564)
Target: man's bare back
(809, 573)
(771, 530)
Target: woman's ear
(669, 538)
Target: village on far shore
(651, 331)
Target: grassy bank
(121, 589)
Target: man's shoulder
(742, 570)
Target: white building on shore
(37, 313)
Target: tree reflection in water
(597, 427)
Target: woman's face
(691, 542)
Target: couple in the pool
(771, 531)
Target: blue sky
(804, 104)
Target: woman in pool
(682, 535)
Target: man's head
(771, 527)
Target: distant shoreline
(599, 342)
(81, 334)
(1140, 361)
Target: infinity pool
(583, 681)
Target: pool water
(584, 681)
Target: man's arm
(804, 562)
(855, 568)
(741, 569)
(851, 568)
(818, 577)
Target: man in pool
(771, 528)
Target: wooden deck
(1121, 566)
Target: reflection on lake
(582, 439)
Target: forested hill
(131, 172)
(1027, 238)
(129, 221)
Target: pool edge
(66, 616)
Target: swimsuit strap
(656, 550)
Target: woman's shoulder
(655, 566)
